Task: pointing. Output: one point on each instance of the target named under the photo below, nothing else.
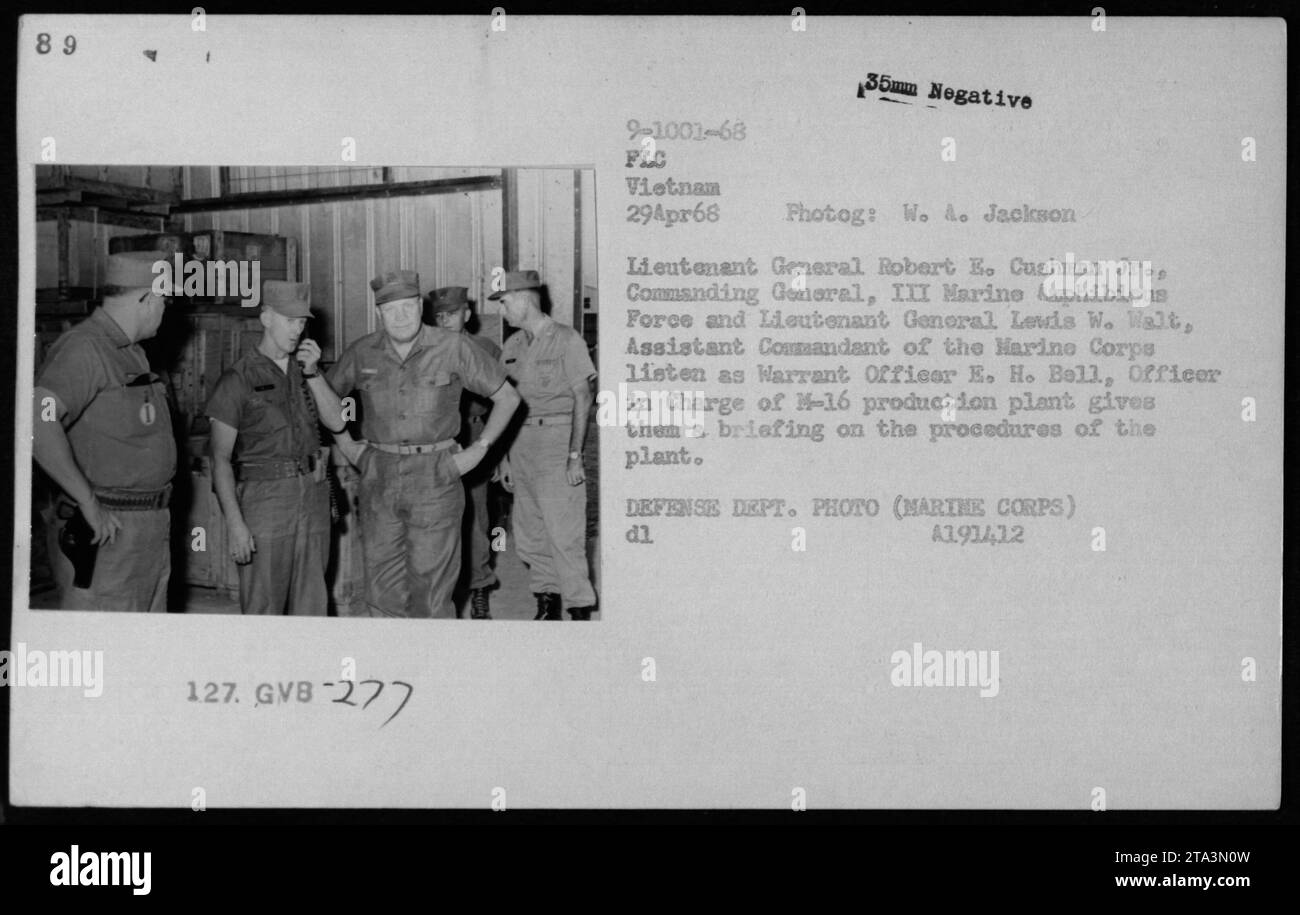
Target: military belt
(312, 465)
(549, 419)
(414, 449)
(128, 501)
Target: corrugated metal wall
(450, 239)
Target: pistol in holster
(75, 542)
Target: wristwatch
(312, 375)
(574, 455)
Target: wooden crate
(70, 253)
(195, 506)
(194, 348)
(276, 255)
(48, 330)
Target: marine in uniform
(553, 373)
(268, 465)
(409, 377)
(451, 311)
(102, 431)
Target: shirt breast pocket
(266, 411)
(374, 401)
(434, 392)
(548, 372)
(255, 410)
(141, 402)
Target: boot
(480, 606)
(548, 606)
(581, 613)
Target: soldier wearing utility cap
(451, 310)
(102, 431)
(409, 377)
(268, 465)
(552, 370)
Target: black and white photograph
(316, 391)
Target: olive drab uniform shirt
(547, 368)
(267, 407)
(117, 416)
(416, 401)
(474, 406)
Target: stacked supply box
(276, 256)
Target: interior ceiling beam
(89, 213)
(64, 182)
(303, 196)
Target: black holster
(75, 542)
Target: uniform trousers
(131, 573)
(411, 508)
(478, 534)
(549, 517)
(290, 523)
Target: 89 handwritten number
(43, 43)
